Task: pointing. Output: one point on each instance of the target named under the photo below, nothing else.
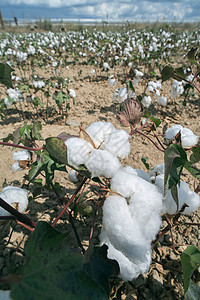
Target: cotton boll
(16, 197)
(117, 143)
(122, 230)
(99, 131)
(162, 101)
(128, 269)
(146, 101)
(16, 167)
(22, 155)
(159, 182)
(72, 176)
(185, 195)
(77, 151)
(188, 138)
(123, 183)
(172, 131)
(157, 170)
(138, 172)
(102, 163)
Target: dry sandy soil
(94, 103)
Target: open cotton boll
(185, 195)
(102, 163)
(72, 176)
(16, 167)
(122, 230)
(188, 138)
(128, 269)
(138, 172)
(157, 170)
(159, 182)
(118, 143)
(77, 151)
(123, 183)
(146, 101)
(16, 197)
(172, 131)
(22, 155)
(162, 101)
(99, 131)
(145, 206)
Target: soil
(94, 103)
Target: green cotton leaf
(57, 148)
(36, 131)
(180, 73)
(52, 271)
(8, 138)
(193, 170)
(85, 210)
(130, 86)
(167, 73)
(37, 102)
(193, 292)
(155, 120)
(190, 260)
(100, 268)
(165, 128)
(195, 156)
(25, 132)
(144, 160)
(191, 56)
(5, 75)
(35, 169)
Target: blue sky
(98, 10)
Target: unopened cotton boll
(16, 197)
(128, 269)
(99, 131)
(146, 101)
(188, 138)
(102, 163)
(117, 143)
(77, 151)
(122, 230)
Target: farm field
(64, 81)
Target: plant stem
(20, 146)
(149, 140)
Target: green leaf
(195, 156)
(57, 148)
(100, 268)
(25, 132)
(156, 120)
(166, 73)
(5, 75)
(193, 170)
(180, 73)
(130, 86)
(144, 160)
(190, 260)
(193, 292)
(37, 102)
(191, 56)
(36, 131)
(52, 271)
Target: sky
(107, 10)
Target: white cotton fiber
(77, 151)
(188, 138)
(16, 167)
(138, 172)
(102, 163)
(22, 155)
(157, 170)
(128, 269)
(16, 197)
(145, 206)
(185, 195)
(99, 131)
(159, 182)
(123, 183)
(72, 176)
(118, 143)
(172, 131)
(122, 230)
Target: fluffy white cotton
(162, 101)
(171, 132)
(72, 176)
(122, 230)
(122, 94)
(158, 169)
(16, 197)
(188, 138)
(72, 93)
(102, 163)
(118, 143)
(5, 295)
(99, 131)
(16, 167)
(77, 151)
(22, 155)
(146, 101)
(123, 183)
(128, 269)
(185, 195)
(138, 172)
(176, 89)
(112, 81)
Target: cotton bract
(16, 197)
